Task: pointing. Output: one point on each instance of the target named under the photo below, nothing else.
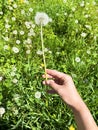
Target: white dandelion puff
(38, 94)
(41, 18)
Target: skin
(63, 85)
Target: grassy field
(71, 46)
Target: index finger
(55, 73)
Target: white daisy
(15, 49)
(2, 111)
(41, 18)
(77, 59)
(1, 78)
(14, 80)
(15, 32)
(37, 94)
(18, 41)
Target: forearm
(83, 117)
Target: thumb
(52, 84)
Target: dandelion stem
(42, 42)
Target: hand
(63, 85)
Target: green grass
(63, 39)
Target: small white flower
(83, 34)
(37, 94)
(41, 18)
(33, 25)
(7, 26)
(76, 21)
(88, 51)
(6, 38)
(27, 24)
(22, 12)
(1, 13)
(45, 49)
(15, 32)
(77, 59)
(13, 18)
(65, 13)
(6, 47)
(28, 51)
(82, 4)
(14, 80)
(30, 9)
(1, 78)
(15, 49)
(10, 8)
(88, 26)
(15, 6)
(2, 111)
(16, 97)
(26, 1)
(18, 41)
(21, 32)
(14, 68)
(64, 1)
(86, 16)
(13, 73)
(73, 9)
(29, 41)
(39, 52)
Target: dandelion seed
(77, 59)
(2, 111)
(15, 49)
(38, 94)
(41, 18)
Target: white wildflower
(33, 25)
(82, 4)
(29, 41)
(15, 49)
(41, 18)
(7, 26)
(6, 47)
(16, 97)
(73, 9)
(14, 68)
(39, 52)
(18, 41)
(37, 94)
(21, 32)
(64, 1)
(77, 59)
(15, 32)
(22, 12)
(88, 27)
(45, 49)
(15, 6)
(28, 51)
(27, 24)
(1, 78)
(88, 51)
(14, 80)
(2, 111)
(1, 13)
(6, 38)
(13, 18)
(76, 21)
(30, 9)
(86, 16)
(83, 34)
(13, 73)
(10, 8)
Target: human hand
(63, 85)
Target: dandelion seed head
(41, 18)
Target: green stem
(43, 52)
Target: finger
(47, 75)
(55, 73)
(52, 84)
